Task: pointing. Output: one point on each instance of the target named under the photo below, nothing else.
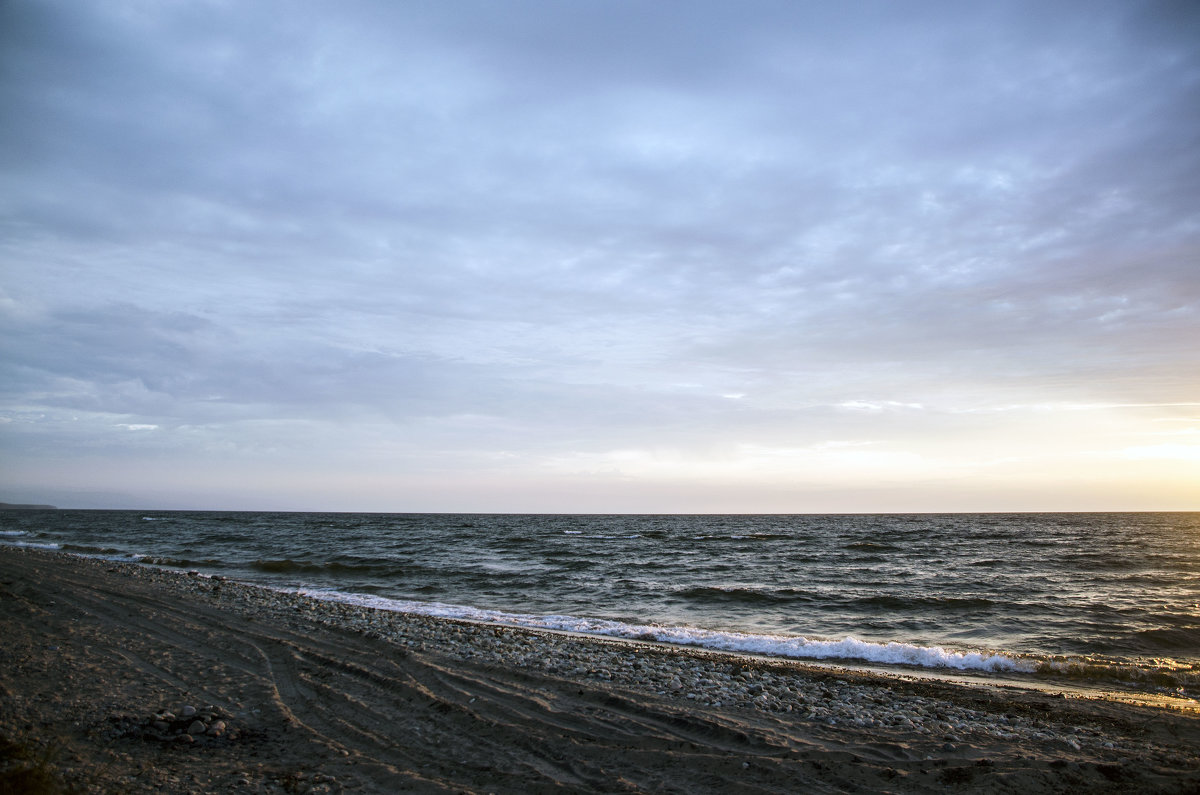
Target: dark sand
(294, 695)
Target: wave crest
(848, 648)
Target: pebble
(692, 676)
(209, 724)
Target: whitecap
(34, 544)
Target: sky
(600, 256)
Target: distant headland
(13, 506)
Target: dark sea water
(1112, 597)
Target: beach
(116, 677)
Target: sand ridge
(325, 697)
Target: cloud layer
(600, 256)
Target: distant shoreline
(1082, 512)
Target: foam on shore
(848, 648)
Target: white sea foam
(33, 544)
(848, 648)
(11, 533)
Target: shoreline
(1164, 683)
(1062, 686)
(324, 696)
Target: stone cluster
(187, 725)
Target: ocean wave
(908, 603)
(705, 594)
(288, 566)
(177, 563)
(759, 536)
(32, 544)
(609, 536)
(13, 533)
(1162, 674)
(1169, 639)
(88, 549)
(848, 648)
(1158, 675)
(354, 567)
(741, 537)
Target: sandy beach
(120, 678)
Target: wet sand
(120, 678)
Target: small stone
(197, 728)
(184, 739)
(188, 711)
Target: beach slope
(120, 678)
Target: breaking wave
(848, 648)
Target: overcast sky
(600, 256)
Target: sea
(1109, 599)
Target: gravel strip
(949, 714)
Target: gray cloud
(588, 223)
